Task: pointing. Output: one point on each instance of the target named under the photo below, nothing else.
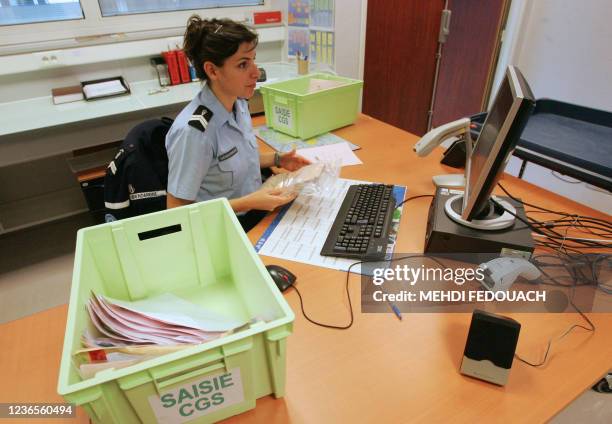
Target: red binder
(173, 68)
(183, 66)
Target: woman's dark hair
(214, 40)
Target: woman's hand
(292, 161)
(265, 199)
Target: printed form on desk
(299, 230)
(339, 152)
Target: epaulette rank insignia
(200, 118)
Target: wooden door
(400, 49)
(400, 60)
(469, 58)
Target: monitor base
(449, 180)
(496, 218)
(443, 235)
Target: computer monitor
(488, 157)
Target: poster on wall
(322, 14)
(299, 13)
(311, 30)
(299, 41)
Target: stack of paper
(316, 84)
(131, 332)
(162, 320)
(104, 89)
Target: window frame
(58, 34)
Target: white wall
(565, 51)
(563, 48)
(348, 33)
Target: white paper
(330, 153)
(316, 84)
(302, 231)
(172, 309)
(106, 88)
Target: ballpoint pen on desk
(395, 309)
(392, 305)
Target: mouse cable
(348, 273)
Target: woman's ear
(211, 70)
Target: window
(13, 12)
(39, 25)
(130, 7)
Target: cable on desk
(573, 264)
(576, 278)
(348, 273)
(602, 222)
(562, 242)
(412, 198)
(322, 324)
(591, 328)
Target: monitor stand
(495, 217)
(445, 235)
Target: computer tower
(443, 235)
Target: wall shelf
(41, 209)
(61, 58)
(17, 115)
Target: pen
(393, 306)
(396, 310)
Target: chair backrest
(136, 179)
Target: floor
(36, 271)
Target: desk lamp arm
(438, 135)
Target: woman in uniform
(212, 150)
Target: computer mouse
(281, 276)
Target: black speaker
(490, 346)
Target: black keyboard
(361, 228)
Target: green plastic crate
(201, 253)
(291, 109)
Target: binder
(183, 66)
(173, 68)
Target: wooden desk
(380, 370)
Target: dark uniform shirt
(136, 179)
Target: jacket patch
(200, 118)
(228, 154)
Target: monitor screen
(500, 133)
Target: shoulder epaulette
(200, 118)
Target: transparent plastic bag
(311, 179)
